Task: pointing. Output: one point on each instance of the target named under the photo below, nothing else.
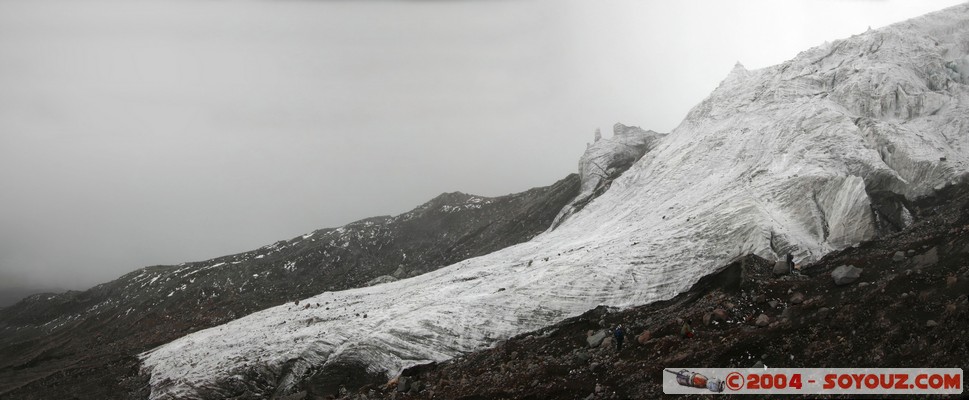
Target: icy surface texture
(605, 160)
(776, 160)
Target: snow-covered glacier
(775, 160)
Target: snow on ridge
(776, 160)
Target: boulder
(403, 384)
(845, 274)
(596, 339)
(643, 337)
(718, 315)
(928, 258)
(899, 256)
(762, 320)
(782, 268)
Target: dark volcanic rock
(782, 268)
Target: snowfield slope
(782, 159)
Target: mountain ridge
(771, 163)
(46, 338)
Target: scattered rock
(951, 280)
(931, 323)
(773, 303)
(797, 298)
(762, 320)
(910, 253)
(845, 274)
(583, 356)
(729, 306)
(899, 256)
(758, 364)
(719, 315)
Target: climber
(619, 333)
(790, 261)
(686, 331)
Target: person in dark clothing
(619, 333)
(790, 262)
(686, 331)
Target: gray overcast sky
(139, 132)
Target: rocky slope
(81, 343)
(908, 309)
(786, 159)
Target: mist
(136, 133)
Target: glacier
(606, 159)
(776, 160)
